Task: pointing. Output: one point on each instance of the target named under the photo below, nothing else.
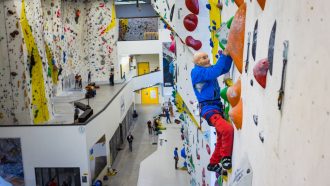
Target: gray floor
(128, 163)
(63, 104)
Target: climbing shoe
(226, 162)
(217, 168)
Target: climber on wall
(204, 80)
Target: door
(149, 95)
(143, 68)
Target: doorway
(143, 68)
(149, 96)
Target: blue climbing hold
(215, 23)
(208, 6)
(214, 28)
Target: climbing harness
(285, 60)
(248, 53)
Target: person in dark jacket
(207, 90)
(130, 139)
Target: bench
(81, 106)
(84, 116)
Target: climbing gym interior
(78, 76)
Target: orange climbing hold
(235, 44)
(262, 4)
(236, 114)
(234, 93)
(239, 2)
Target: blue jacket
(205, 83)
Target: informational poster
(168, 58)
(11, 161)
(98, 157)
(153, 94)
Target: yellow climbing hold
(113, 20)
(215, 21)
(39, 100)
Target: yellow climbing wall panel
(113, 20)
(215, 17)
(180, 105)
(39, 101)
(53, 71)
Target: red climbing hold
(190, 22)
(260, 72)
(193, 6)
(193, 43)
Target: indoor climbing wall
(14, 94)
(101, 41)
(191, 22)
(280, 115)
(134, 29)
(45, 42)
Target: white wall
(68, 146)
(49, 146)
(153, 60)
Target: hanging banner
(168, 58)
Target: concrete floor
(128, 163)
(150, 165)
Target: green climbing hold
(223, 94)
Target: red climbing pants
(225, 137)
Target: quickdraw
(248, 54)
(285, 60)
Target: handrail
(146, 73)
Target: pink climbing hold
(193, 43)
(173, 46)
(193, 6)
(190, 22)
(260, 72)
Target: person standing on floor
(170, 107)
(149, 127)
(167, 114)
(130, 141)
(176, 157)
(111, 79)
(124, 77)
(89, 77)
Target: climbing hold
(223, 94)
(254, 40)
(236, 114)
(190, 22)
(208, 6)
(223, 32)
(251, 82)
(193, 43)
(235, 44)
(262, 3)
(255, 119)
(260, 72)
(172, 12)
(173, 46)
(193, 6)
(234, 93)
(208, 149)
(271, 48)
(228, 82)
(239, 2)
